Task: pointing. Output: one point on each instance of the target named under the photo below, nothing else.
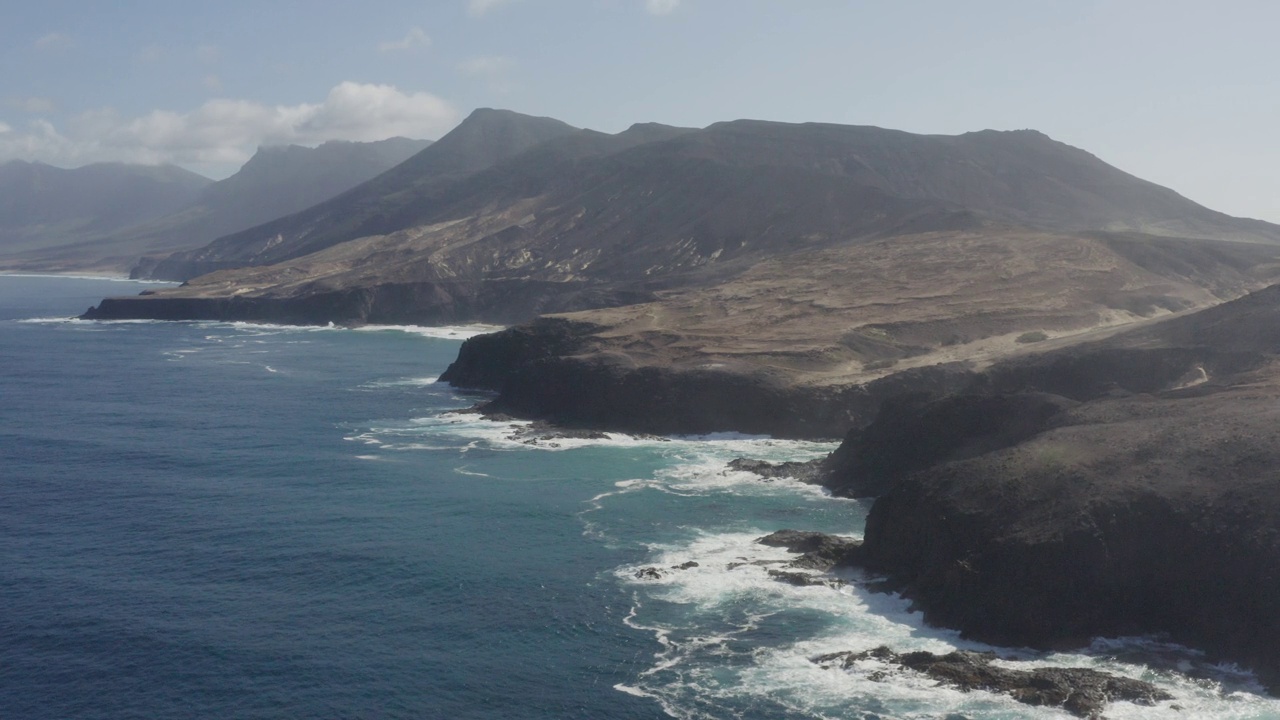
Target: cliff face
(559, 370)
(1137, 516)
(405, 303)
(1146, 502)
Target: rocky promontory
(1146, 502)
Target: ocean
(228, 520)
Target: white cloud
(226, 131)
(4, 128)
(212, 83)
(661, 7)
(53, 41)
(33, 105)
(479, 8)
(412, 39)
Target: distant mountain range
(510, 197)
(110, 216)
(41, 205)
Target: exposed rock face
(818, 551)
(1083, 692)
(423, 303)
(812, 471)
(553, 370)
(916, 431)
(1150, 505)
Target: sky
(1182, 93)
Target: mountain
(43, 206)
(509, 216)
(484, 138)
(276, 181)
(1021, 176)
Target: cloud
(479, 8)
(412, 39)
(33, 105)
(226, 131)
(53, 41)
(212, 83)
(4, 128)
(486, 65)
(661, 7)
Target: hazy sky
(1186, 94)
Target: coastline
(85, 275)
(543, 371)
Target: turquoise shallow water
(240, 521)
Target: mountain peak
(485, 138)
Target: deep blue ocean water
(216, 520)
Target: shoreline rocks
(1083, 692)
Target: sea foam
(728, 635)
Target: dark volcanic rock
(803, 579)
(427, 303)
(1129, 513)
(911, 432)
(1081, 691)
(552, 369)
(818, 551)
(811, 471)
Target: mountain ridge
(276, 180)
(462, 151)
(41, 204)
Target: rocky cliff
(1145, 502)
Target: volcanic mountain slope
(509, 216)
(276, 181)
(42, 206)
(386, 203)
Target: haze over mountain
(276, 181)
(42, 205)
(382, 204)
(531, 200)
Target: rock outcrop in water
(1083, 692)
